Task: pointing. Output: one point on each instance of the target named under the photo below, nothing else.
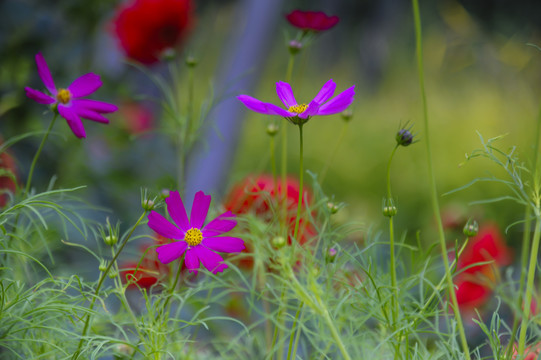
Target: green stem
(433, 190)
(301, 175)
(35, 160)
(394, 299)
(98, 287)
(529, 286)
(290, 351)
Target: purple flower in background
(198, 241)
(297, 113)
(68, 101)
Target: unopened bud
(333, 208)
(471, 228)
(191, 61)
(389, 209)
(346, 115)
(112, 274)
(148, 204)
(294, 47)
(330, 256)
(103, 266)
(111, 239)
(272, 129)
(278, 242)
(169, 54)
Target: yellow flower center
(300, 108)
(63, 96)
(193, 237)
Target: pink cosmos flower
(311, 20)
(198, 241)
(297, 113)
(69, 102)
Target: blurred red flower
(256, 194)
(7, 182)
(145, 28)
(531, 353)
(311, 20)
(474, 281)
(150, 269)
(136, 117)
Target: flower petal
(191, 260)
(176, 209)
(45, 73)
(97, 106)
(89, 114)
(200, 208)
(172, 251)
(326, 92)
(38, 96)
(262, 107)
(339, 103)
(210, 260)
(163, 227)
(285, 94)
(85, 85)
(311, 110)
(74, 121)
(220, 225)
(226, 244)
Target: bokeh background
(482, 76)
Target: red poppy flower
(256, 194)
(474, 281)
(311, 20)
(150, 269)
(145, 28)
(7, 183)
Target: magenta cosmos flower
(69, 102)
(198, 241)
(297, 113)
(311, 20)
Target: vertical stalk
(433, 190)
(38, 152)
(390, 213)
(529, 286)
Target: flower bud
(112, 273)
(346, 115)
(294, 47)
(330, 256)
(471, 228)
(333, 208)
(191, 61)
(389, 209)
(111, 239)
(103, 266)
(272, 129)
(278, 242)
(169, 54)
(148, 204)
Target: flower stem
(529, 285)
(100, 283)
(394, 298)
(292, 336)
(301, 175)
(433, 190)
(34, 161)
